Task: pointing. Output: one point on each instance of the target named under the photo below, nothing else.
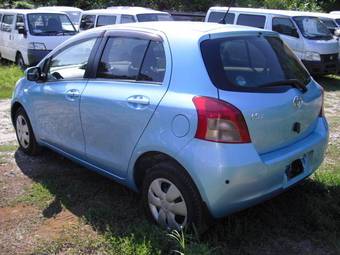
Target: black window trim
(285, 17)
(128, 34)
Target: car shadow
(306, 213)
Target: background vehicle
(307, 36)
(217, 117)
(29, 35)
(73, 13)
(120, 15)
(187, 16)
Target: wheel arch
(15, 107)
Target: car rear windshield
(246, 63)
(153, 17)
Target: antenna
(222, 21)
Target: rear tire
(19, 60)
(24, 132)
(170, 197)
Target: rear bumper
(233, 177)
(35, 56)
(322, 68)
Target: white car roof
(60, 8)
(262, 11)
(123, 10)
(30, 11)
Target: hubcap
(22, 131)
(167, 204)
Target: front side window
(7, 22)
(218, 16)
(284, 26)
(104, 20)
(127, 19)
(153, 17)
(338, 21)
(132, 59)
(50, 24)
(87, 22)
(249, 62)
(70, 63)
(312, 28)
(251, 20)
(19, 22)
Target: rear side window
(246, 63)
(104, 20)
(132, 59)
(127, 19)
(285, 26)
(251, 20)
(7, 22)
(153, 67)
(87, 22)
(218, 16)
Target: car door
(7, 49)
(289, 34)
(117, 104)
(19, 42)
(56, 102)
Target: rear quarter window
(251, 20)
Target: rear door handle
(72, 94)
(138, 101)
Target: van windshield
(312, 28)
(50, 24)
(153, 17)
(74, 16)
(247, 63)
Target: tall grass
(9, 74)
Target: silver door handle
(139, 100)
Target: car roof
(60, 8)
(30, 11)
(123, 10)
(262, 11)
(174, 29)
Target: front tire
(20, 61)
(170, 198)
(24, 132)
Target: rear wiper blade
(292, 82)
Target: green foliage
(9, 74)
(23, 5)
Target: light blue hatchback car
(201, 118)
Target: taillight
(219, 121)
(322, 112)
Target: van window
(7, 22)
(71, 62)
(284, 26)
(153, 68)
(153, 17)
(218, 16)
(50, 24)
(20, 21)
(338, 21)
(251, 20)
(127, 19)
(246, 63)
(312, 28)
(87, 22)
(122, 58)
(104, 20)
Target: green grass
(9, 75)
(38, 194)
(8, 148)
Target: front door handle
(138, 101)
(72, 94)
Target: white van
(73, 13)
(27, 36)
(119, 15)
(306, 35)
(332, 21)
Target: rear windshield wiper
(291, 82)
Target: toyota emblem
(297, 102)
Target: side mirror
(22, 30)
(33, 73)
(337, 32)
